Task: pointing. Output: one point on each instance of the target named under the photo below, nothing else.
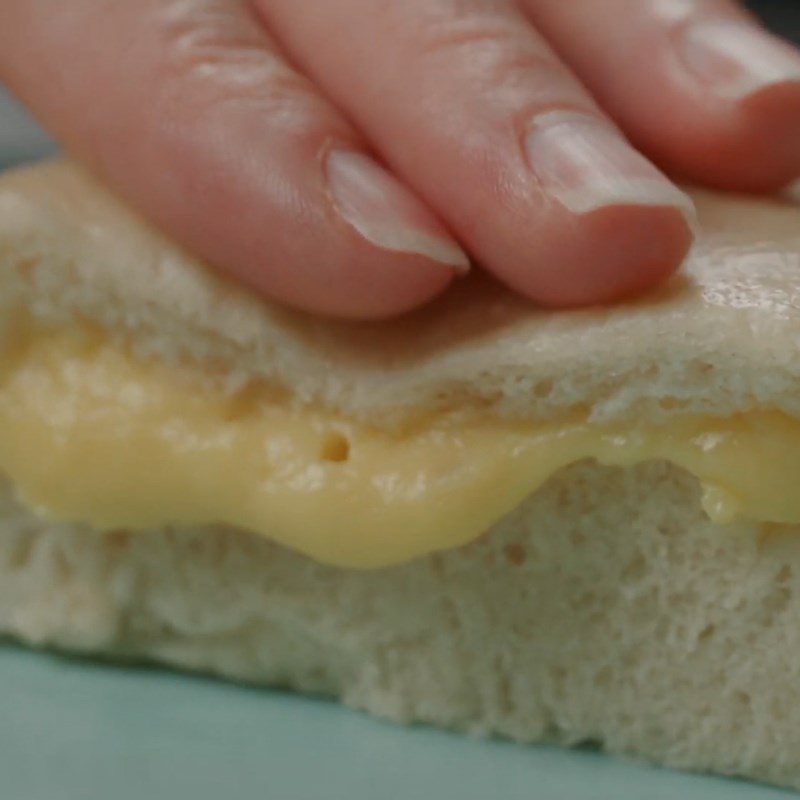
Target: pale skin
(353, 157)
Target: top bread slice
(722, 337)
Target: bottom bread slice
(607, 608)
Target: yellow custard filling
(90, 434)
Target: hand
(331, 153)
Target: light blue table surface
(73, 730)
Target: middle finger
(471, 107)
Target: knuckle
(459, 31)
(215, 62)
(494, 46)
(203, 39)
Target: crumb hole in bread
(776, 602)
(784, 574)
(603, 677)
(543, 389)
(61, 567)
(335, 448)
(706, 633)
(21, 554)
(635, 568)
(584, 601)
(515, 554)
(118, 540)
(27, 265)
(244, 404)
(701, 368)
(651, 372)
(437, 565)
(666, 530)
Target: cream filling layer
(90, 434)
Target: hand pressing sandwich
(350, 157)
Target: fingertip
(699, 87)
(766, 141)
(641, 248)
(734, 119)
(393, 290)
(754, 147)
(369, 284)
(619, 252)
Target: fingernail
(582, 162)
(386, 213)
(737, 59)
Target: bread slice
(607, 607)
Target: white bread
(720, 338)
(606, 608)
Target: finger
(469, 105)
(697, 84)
(189, 110)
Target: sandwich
(547, 526)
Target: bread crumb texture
(721, 338)
(606, 609)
